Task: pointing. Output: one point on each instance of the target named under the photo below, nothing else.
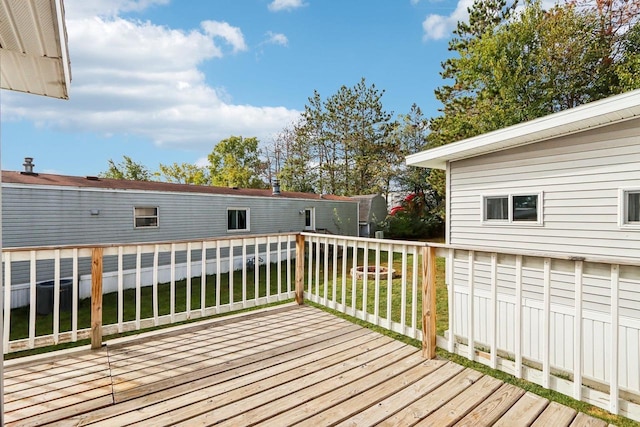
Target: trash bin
(44, 296)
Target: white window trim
(510, 221)
(238, 208)
(157, 216)
(622, 208)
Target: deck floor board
(282, 366)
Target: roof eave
(585, 117)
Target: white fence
(568, 324)
(262, 274)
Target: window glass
(237, 219)
(145, 217)
(307, 218)
(496, 208)
(633, 206)
(525, 208)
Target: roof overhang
(588, 116)
(34, 54)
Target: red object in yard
(395, 210)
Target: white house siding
(580, 177)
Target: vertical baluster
(56, 295)
(450, 266)
(74, 296)
(172, 284)
(7, 301)
(376, 284)
(389, 284)
(156, 255)
(231, 284)
(32, 299)
(403, 291)
(577, 333)
(268, 269)
(414, 293)
(188, 280)
(218, 284)
(203, 279)
(614, 391)
(244, 273)
(343, 298)
(365, 290)
(138, 284)
(335, 273)
(256, 270)
(470, 307)
(279, 268)
(546, 325)
(120, 289)
(518, 312)
(494, 311)
(354, 284)
(326, 272)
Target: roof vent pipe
(276, 187)
(28, 166)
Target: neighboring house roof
(33, 49)
(588, 116)
(365, 203)
(42, 179)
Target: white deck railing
(241, 272)
(567, 323)
(570, 324)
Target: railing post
(429, 302)
(96, 298)
(300, 269)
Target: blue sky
(163, 81)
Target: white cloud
(232, 35)
(440, 26)
(278, 5)
(144, 80)
(276, 38)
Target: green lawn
(44, 323)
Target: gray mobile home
(546, 215)
(41, 210)
(54, 210)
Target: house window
(237, 219)
(145, 217)
(630, 202)
(496, 208)
(513, 208)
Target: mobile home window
(144, 217)
(632, 207)
(238, 219)
(512, 208)
(496, 208)
(525, 208)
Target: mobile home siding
(62, 216)
(579, 176)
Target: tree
(293, 162)
(517, 67)
(628, 71)
(184, 173)
(127, 169)
(409, 136)
(341, 142)
(235, 162)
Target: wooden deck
(281, 366)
